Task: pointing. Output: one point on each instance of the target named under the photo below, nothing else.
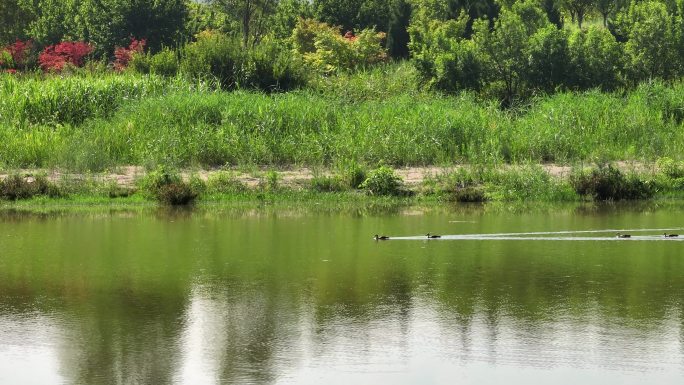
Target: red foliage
(55, 57)
(19, 51)
(124, 55)
(11, 71)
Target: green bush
(167, 187)
(383, 181)
(224, 182)
(16, 187)
(609, 183)
(214, 57)
(327, 184)
(164, 63)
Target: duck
(381, 237)
(620, 235)
(666, 235)
(433, 236)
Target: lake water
(306, 296)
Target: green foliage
(225, 182)
(397, 31)
(16, 187)
(14, 20)
(652, 33)
(220, 59)
(214, 57)
(549, 59)
(382, 181)
(164, 63)
(327, 184)
(596, 59)
(326, 51)
(167, 187)
(609, 183)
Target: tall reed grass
(84, 123)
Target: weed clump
(327, 184)
(609, 183)
(168, 187)
(16, 187)
(383, 181)
(224, 182)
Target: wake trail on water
(566, 235)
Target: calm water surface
(301, 296)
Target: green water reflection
(298, 295)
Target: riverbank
(458, 183)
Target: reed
(94, 123)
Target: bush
(54, 58)
(224, 182)
(167, 187)
(470, 194)
(352, 174)
(214, 57)
(382, 181)
(327, 184)
(324, 49)
(16, 187)
(164, 63)
(609, 183)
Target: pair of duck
(385, 237)
(665, 235)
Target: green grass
(92, 123)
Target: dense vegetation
(331, 84)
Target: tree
(553, 11)
(504, 49)
(286, 15)
(397, 31)
(353, 14)
(251, 15)
(14, 21)
(52, 21)
(607, 8)
(596, 60)
(549, 59)
(578, 9)
(652, 35)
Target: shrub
(470, 194)
(382, 181)
(16, 187)
(164, 63)
(125, 55)
(214, 57)
(55, 57)
(352, 174)
(324, 49)
(225, 183)
(609, 183)
(327, 184)
(167, 187)
(19, 55)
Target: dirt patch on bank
(126, 176)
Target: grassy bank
(95, 123)
(383, 185)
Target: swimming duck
(620, 235)
(433, 236)
(666, 235)
(381, 237)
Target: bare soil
(126, 176)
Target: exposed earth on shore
(126, 176)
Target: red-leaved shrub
(124, 55)
(20, 52)
(55, 57)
